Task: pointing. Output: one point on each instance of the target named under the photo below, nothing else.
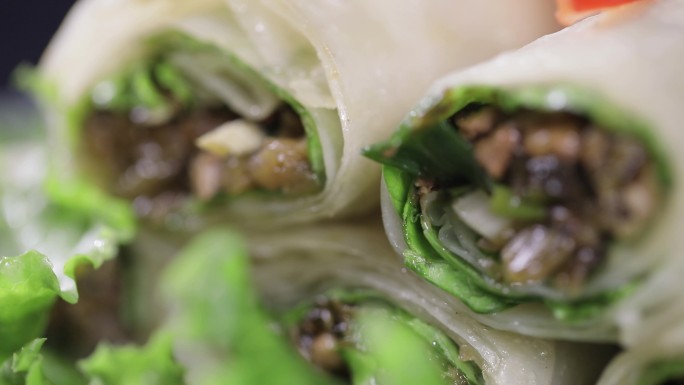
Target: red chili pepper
(569, 11)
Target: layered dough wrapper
(253, 112)
(556, 212)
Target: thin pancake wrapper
(536, 223)
(346, 73)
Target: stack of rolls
(540, 187)
(288, 191)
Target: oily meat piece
(132, 160)
(597, 186)
(476, 121)
(150, 162)
(495, 151)
(321, 332)
(280, 164)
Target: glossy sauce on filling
(595, 185)
(158, 164)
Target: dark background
(25, 30)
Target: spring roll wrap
(253, 111)
(542, 186)
(321, 283)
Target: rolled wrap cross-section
(253, 111)
(321, 285)
(541, 187)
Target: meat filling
(596, 186)
(320, 334)
(158, 162)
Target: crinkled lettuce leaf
(108, 365)
(31, 366)
(152, 364)
(408, 350)
(437, 152)
(393, 341)
(28, 289)
(25, 367)
(454, 275)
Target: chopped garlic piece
(473, 209)
(237, 137)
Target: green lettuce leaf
(452, 274)
(25, 367)
(437, 152)
(468, 371)
(395, 347)
(152, 364)
(392, 340)
(31, 366)
(139, 86)
(28, 288)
